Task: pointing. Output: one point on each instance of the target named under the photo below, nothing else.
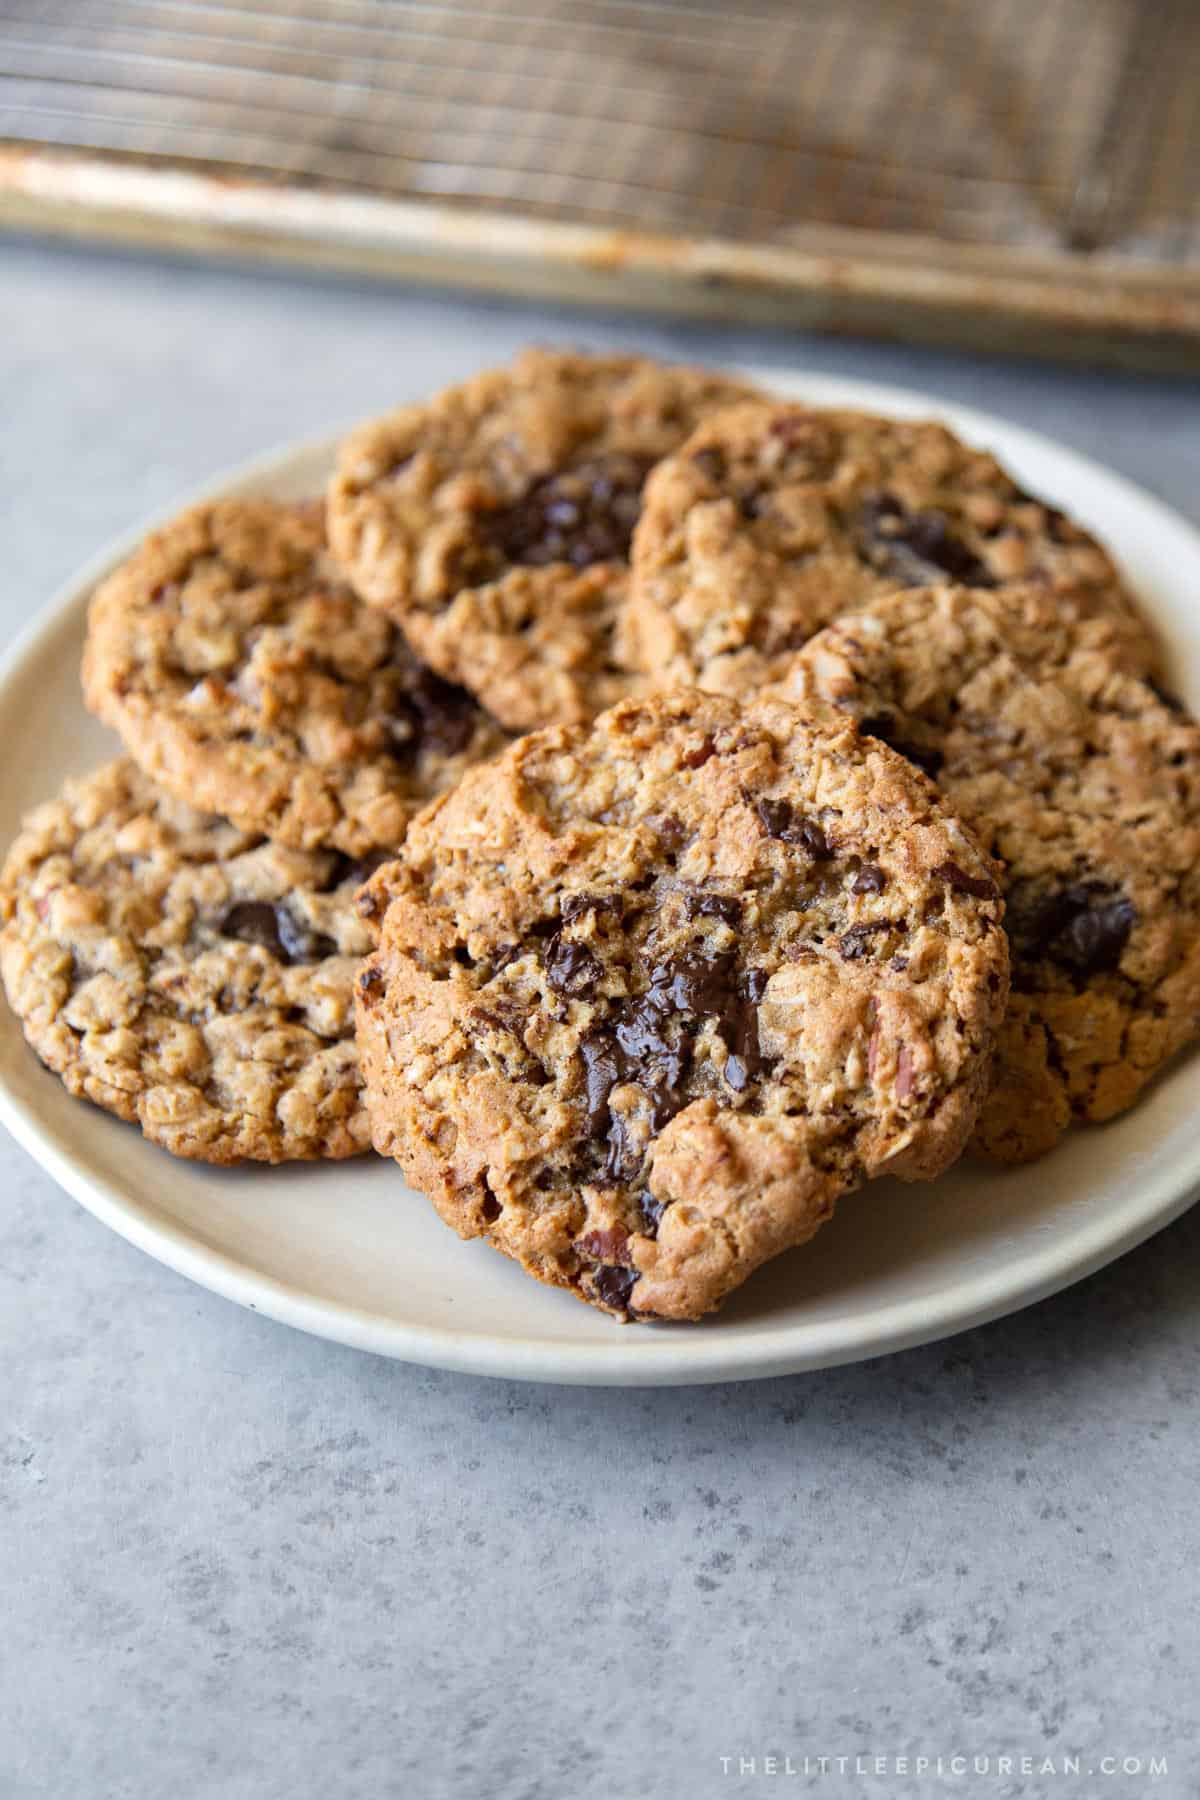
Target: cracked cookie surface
(243, 674)
(192, 978)
(774, 519)
(1084, 782)
(650, 996)
(494, 522)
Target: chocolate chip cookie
(494, 523)
(650, 996)
(192, 978)
(1084, 782)
(244, 675)
(773, 519)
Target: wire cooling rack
(1024, 172)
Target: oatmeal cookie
(773, 519)
(650, 996)
(243, 675)
(1084, 782)
(190, 977)
(494, 522)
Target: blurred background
(1022, 174)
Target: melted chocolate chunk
(981, 887)
(370, 984)
(650, 1044)
(699, 904)
(254, 922)
(274, 928)
(355, 870)
(700, 753)
(432, 715)
(624, 1158)
(613, 1286)
(571, 969)
(870, 879)
(884, 727)
(754, 984)
(580, 516)
(655, 1052)
(489, 1206)
(779, 819)
(573, 905)
(602, 1071)
(856, 941)
(916, 548)
(1082, 928)
(695, 984)
(739, 1031)
(652, 1211)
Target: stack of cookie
(627, 802)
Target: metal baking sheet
(1017, 173)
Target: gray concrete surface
(241, 1564)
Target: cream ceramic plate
(350, 1253)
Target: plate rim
(674, 1356)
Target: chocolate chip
(1082, 928)
(884, 727)
(274, 928)
(640, 1033)
(370, 984)
(981, 887)
(432, 715)
(602, 1071)
(779, 819)
(490, 1207)
(574, 905)
(870, 879)
(579, 516)
(916, 547)
(369, 904)
(254, 922)
(739, 1032)
(355, 870)
(856, 941)
(672, 832)
(754, 984)
(699, 904)
(649, 1044)
(652, 1211)
(571, 969)
(654, 1052)
(300, 942)
(699, 754)
(814, 841)
(613, 1286)
(624, 1159)
(1094, 939)
(696, 984)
